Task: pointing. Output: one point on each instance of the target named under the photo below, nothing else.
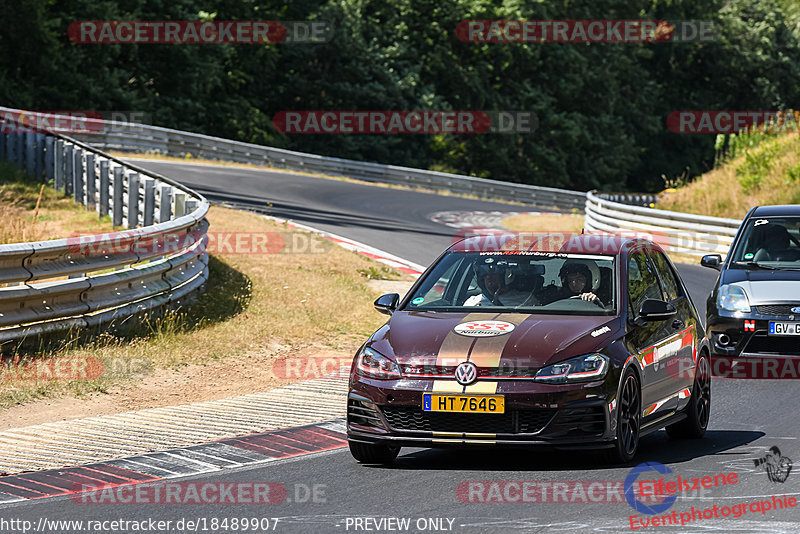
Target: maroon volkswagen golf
(515, 340)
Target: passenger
(576, 282)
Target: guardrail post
(69, 167)
(133, 199)
(11, 146)
(19, 149)
(38, 156)
(149, 201)
(49, 158)
(58, 164)
(78, 176)
(164, 202)
(91, 182)
(180, 204)
(30, 151)
(104, 184)
(117, 188)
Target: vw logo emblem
(466, 373)
(796, 309)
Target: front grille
(511, 372)
(512, 422)
(776, 309)
(785, 346)
(588, 420)
(450, 370)
(533, 420)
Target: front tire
(629, 421)
(373, 453)
(699, 408)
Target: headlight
(732, 298)
(580, 369)
(373, 364)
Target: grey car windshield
(770, 241)
(579, 284)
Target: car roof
(773, 211)
(564, 243)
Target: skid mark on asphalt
(204, 458)
(97, 439)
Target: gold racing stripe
(455, 349)
(487, 351)
(447, 386)
(482, 387)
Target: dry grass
(544, 223)
(253, 303)
(58, 216)
(731, 190)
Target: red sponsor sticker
(484, 328)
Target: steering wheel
(595, 301)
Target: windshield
(769, 242)
(577, 284)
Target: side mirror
(714, 261)
(387, 303)
(655, 310)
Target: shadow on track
(656, 447)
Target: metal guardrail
(634, 199)
(128, 137)
(82, 281)
(605, 212)
(676, 232)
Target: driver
(576, 282)
(495, 282)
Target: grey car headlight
(732, 298)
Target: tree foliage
(601, 107)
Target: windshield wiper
(756, 265)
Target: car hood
(429, 338)
(766, 287)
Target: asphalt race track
(442, 490)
